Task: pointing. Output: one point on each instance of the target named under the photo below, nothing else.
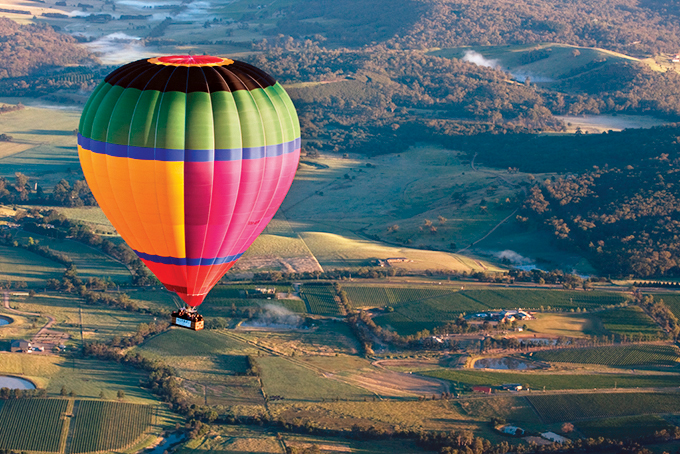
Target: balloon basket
(188, 318)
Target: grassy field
(630, 427)
(416, 309)
(515, 409)
(617, 356)
(20, 265)
(210, 365)
(435, 415)
(672, 300)
(294, 382)
(229, 439)
(89, 261)
(107, 426)
(98, 322)
(32, 424)
(551, 381)
(52, 155)
(571, 407)
(628, 320)
(86, 377)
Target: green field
(571, 407)
(617, 356)
(630, 427)
(98, 322)
(106, 426)
(294, 382)
(672, 300)
(628, 320)
(32, 424)
(89, 261)
(20, 265)
(320, 299)
(551, 381)
(416, 309)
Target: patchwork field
(74, 427)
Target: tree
(121, 394)
(567, 427)
(63, 391)
(102, 395)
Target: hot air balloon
(189, 157)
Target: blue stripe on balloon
(164, 154)
(187, 261)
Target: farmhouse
(265, 292)
(512, 430)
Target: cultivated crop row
(105, 426)
(32, 424)
(320, 299)
(570, 407)
(628, 320)
(628, 355)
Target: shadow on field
(51, 132)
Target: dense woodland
(25, 49)
(624, 217)
(629, 26)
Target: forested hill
(624, 217)
(629, 26)
(25, 49)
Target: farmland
(672, 300)
(616, 356)
(20, 265)
(551, 381)
(320, 299)
(32, 425)
(416, 309)
(104, 426)
(628, 320)
(571, 407)
(625, 427)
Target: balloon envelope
(189, 157)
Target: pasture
(553, 381)
(89, 261)
(210, 365)
(73, 316)
(295, 382)
(20, 265)
(616, 356)
(416, 308)
(629, 427)
(52, 155)
(571, 407)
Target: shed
(512, 387)
(552, 436)
(512, 430)
(481, 389)
(20, 346)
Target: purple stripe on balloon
(187, 261)
(163, 154)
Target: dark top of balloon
(188, 73)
